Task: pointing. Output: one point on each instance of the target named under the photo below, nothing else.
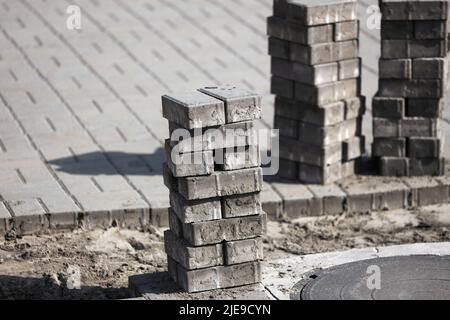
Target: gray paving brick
(396, 69)
(193, 110)
(28, 216)
(324, 52)
(427, 191)
(349, 69)
(394, 167)
(321, 12)
(427, 166)
(241, 205)
(416, 88)
(400, 30)
(325, 175)
(430, 29)
(240, 104)
(327, 93)
(195, 210)
(282, 87)
(385, 107)
(4, 218)
(347, 30)
(417, 10)
(429, 68)
(353, 148)
(243, 251)
(189, 164)
(217, 231)
(331, 196)
(424, 108)
(389, 147)
(298, 201)
(239, 158)
(272, 203)
(424, 147)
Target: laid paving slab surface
(81, 129)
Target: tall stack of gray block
(216, 220)
(316, 79)
(413, 80)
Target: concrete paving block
(29, 216)
(322, 11)
(397, 30)
(190, 257)
(385, 107)
(292, 110)
(394, 167)
(288, 127)
(303, 73)
(349, 69)
(63, 220)
(375, 194)
(323, 136)
(355, 107)
(417, 10)
(429, 68)
(331, 196)
(282, 87)
(279, 48)
(347, 30)
(395, 69)
(217, 231)
(327, 93)
(243, 251)
(430, 29)
(424, 108)
(424, 147)
(195, 210)
(389, 147)
(323, 52)
(240, 105)
(221, 137)
(193, 110)
(419, 127)
(219, 277)
(159, 217)
(427, 191)
(188, 164)
(416, 88)
(427, 48)
(353, 148)
(299, 33)
(305, 152)
(298, 201)
(394, 49)
(427, 166)
(272, 203)
(238, 158)
(5, 216)
(325, 175)
(241, 205)
(130, 218)
(288, 169)
(386, 128)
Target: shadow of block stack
(413, 77)
(214, 176)
(316, 79)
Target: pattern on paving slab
(81, 129)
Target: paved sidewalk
(81, 129)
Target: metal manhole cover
(408, 277)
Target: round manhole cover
(409, 277)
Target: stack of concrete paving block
(216, 220)
(316, 79)
(413, 80)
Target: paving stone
(4, 219)
(394, 167)
(325, 175)
(332, 198)
(241, 205)
(324, 52)
(133, 218)
(216, 231)
(395, 69)
(195, 210)
(323, 136)
(189, 164)
(417, 10)
(226, 136)
(28, 216)
(279, 48)
(429, 68)
(416, 88)
(376, 194)
(282, 87)
(400, 30)
(288, 127)
(386, 107)
(427, 166)
(309, 74)
(321, 12)
(353, 148)
(389, 147)
(327, 93)
(305, 152)
(219, 277)
(355, 107)
(238, 158)
(193, 110)
(240, 105)
(190, 257)
(347, 30)
(243, 251)
(221, 184)
(296, 32)
(298, 201)
(292, 110)
(424, 147)
(430, 29)
(349, 69)
(424, 108)
(427, 191)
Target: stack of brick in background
(216, 220)
(413, 77)
(316, 80)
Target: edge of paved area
(281, 200)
